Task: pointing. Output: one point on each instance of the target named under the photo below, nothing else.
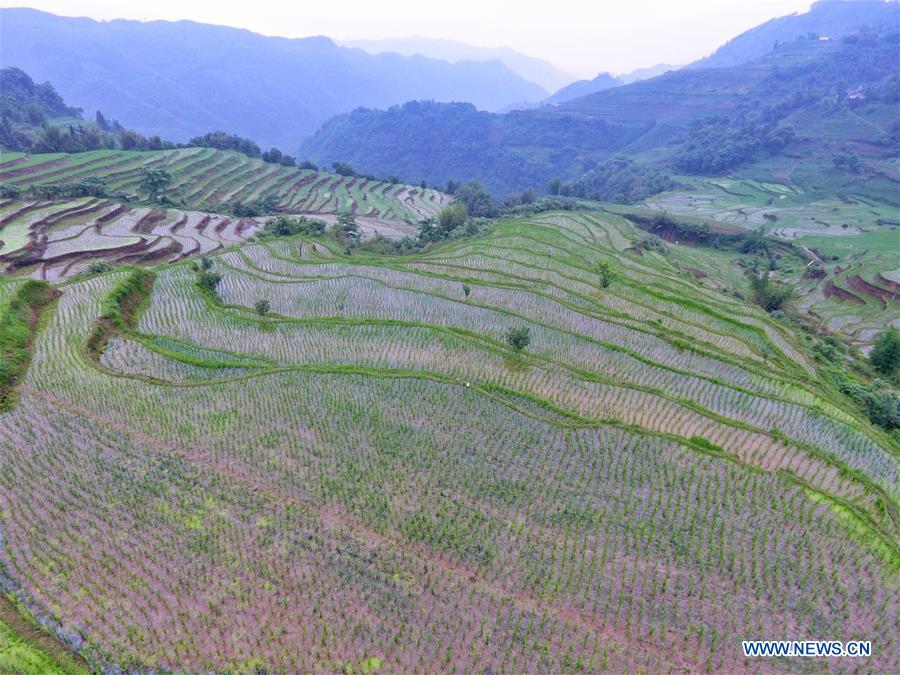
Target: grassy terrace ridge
(20, 319)
(214, 199)
(26, 649)
(214, 180)
(320, 438)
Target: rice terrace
(263, 415)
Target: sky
(582, 37)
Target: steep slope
(826, 18)
(584, 87)
(530, 68)
(179, 80)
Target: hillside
(826, 18)
(505, 152)
(530, 68)
(178, 80)
(384, 480)
(72, 209)
(808, 98)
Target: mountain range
(704, 120)
(181, 79)
(532, 69)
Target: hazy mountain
(536, 70)
(181, 79)
(647, 73)
(584, 87)
(826, 18)
(692, 120)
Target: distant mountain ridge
(826, 18)
(584, 87)
(530, 68)
(181, 79)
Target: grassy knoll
(20, 318)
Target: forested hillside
(700, 121)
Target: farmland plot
(365, 475)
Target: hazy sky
(581, 37)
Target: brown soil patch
(833, 291)
(880, 294)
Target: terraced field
(366, 476)
(57, 239)
(855, 240)
(212, 180)
(54, 240)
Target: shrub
(262, 307)
(209, 280)
(518, 338)
(98, 267)
(606, 274)
(885, 356)
(768, 294)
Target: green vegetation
(605, 274)
(34, 118)
(518, 338)
(154, 181)
(768, 294)
(219, 181)
(885, 356)
(20, 319)
(25, 649)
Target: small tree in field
(209, 280)
(154, 181)
(885, 356)
(605, 273)
(466, 290)
(347, 229)
(518, 338)
(262, 307)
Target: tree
(262, 307)
(209, 280)
(606, 273)
(347, 227)
(477, 199)
(885, 356)
(466, 290)
(154, 181)
(343, 169)
(518, 338)
(452, 216)
(768, 294)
